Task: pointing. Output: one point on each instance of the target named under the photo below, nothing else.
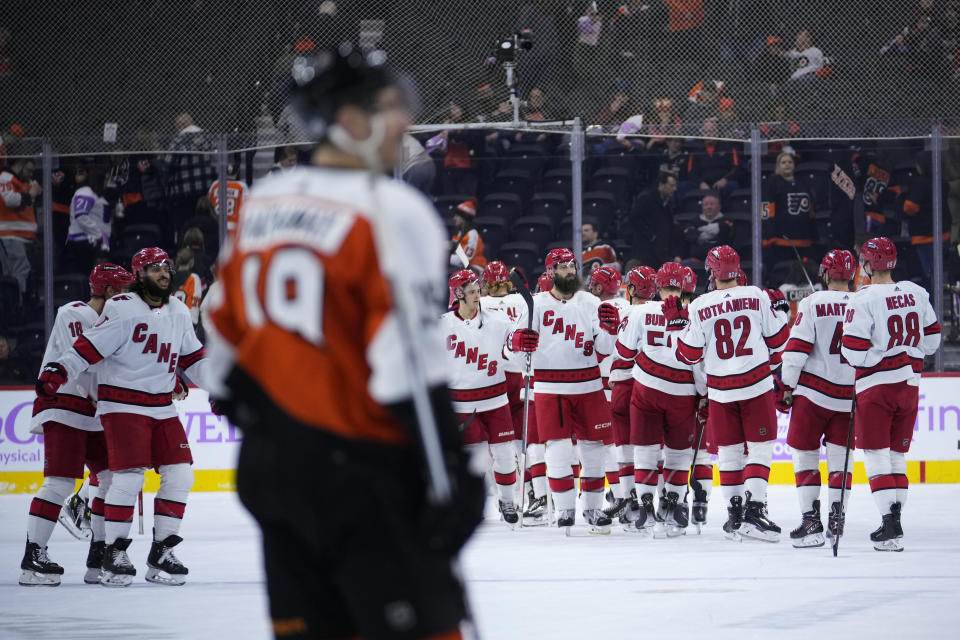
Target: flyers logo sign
(798, 203)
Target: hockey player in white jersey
(72, 437)
(888, 329)
(818, 386)
(737, 334)
(569, 392)
(663, 404)
(142, 338)
(475, 340)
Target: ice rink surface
(536, 583)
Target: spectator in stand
(712, 230)
(808, 61)
(704, 100)
(673, 159)
(467, 238)
(667, 123)
(285, 159)
(187, 285)
(189, 174)
(586, 52)
(91, 221)
(684, 25)
(202, 263)
(636, 32)
(715, 165)
(770, 65)
(235, 192)
(618, 109)
(915, 204)
(417, 168)
(741, 26)
(459, 173)
(61, 192)
(728, 121)
(656, 237)
(787, 213)
(596, 253)
(18, 222)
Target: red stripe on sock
(730, 478)
(835, 482)
(901, 480)
(538, 470)
(576, 470)
(676, 476)
(879, 483)
(526, 476)
(808, 478)
(703, 472)
(96, 507)
(646, 476)
(561, 484)
(505, 478)
(613, 477)
(626, 471)
(167, 508)
(46, 510)
(757, 471)
(591, 484)
(118, 513)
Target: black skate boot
(508, 511)
(757, 525)
(731, 528)
(699, 511)
(631, 513)
(810, 531)
(37, 569)
(617, 509)
(163, 567)
(835, 521)
(75, 517)
(117, 570)
(662, 507)
(677, 518)
(566, 518)
(535, 515)
(94, 562)
(598, 520)
(646, 521)
(889, 537)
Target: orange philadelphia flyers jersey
(305, 309)
(235, 193)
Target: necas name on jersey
(900, 302)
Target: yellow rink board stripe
(929, 471)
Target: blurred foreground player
(72, 437)
(888, 329)
(142, 339)
(314, 366)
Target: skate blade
(733, 536)
(599, 531)
(72, 529)
(34, 579)
(92, 576)
(534, 522)
(809, 542)
(158, 576)
(676, 532)
(108, 579)
(889, 545)
(699, 526)
(659, 531)
(752, 533)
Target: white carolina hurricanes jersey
(738, 337)
(607, 349)
(566, 360)
(72, 405)
(651, 350)
(475, 353)
(512, 305)
(887, 331)
(811, 360)
(141, 347)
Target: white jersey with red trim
(512, 305)
(612, 367)
(475, 349)
(73, 405)
(644, 342)
(141, 349)
(811, 360)
(739, 337)
(887, 331)
(566, 360)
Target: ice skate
(117, 570)
(631, 513)
(616, 509)
(535, 515)
(676, 517)
(731, 528)
(94, 562)
(889, 537)
(757, 525)
(646, 522)
(164, 568)
(835, 521)
(699, 511)
(75, 517)
(37, 569)
(599, 522)
(566, 518)
(810, 531)
(508, 513)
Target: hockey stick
(843, 479)
(140, 509)
(800, 260)
(520, 282)
(693, 480)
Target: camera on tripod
(508, 48)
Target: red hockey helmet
(545, 282)
(496, 273)
(689, 282)
(108, 275)
(643, 281)
(838, 264)
(723, 262)
(880, 252)
(608, 278)
(558, 256)
(742, 279)
(147, 257)
(461, 279)
(670, 275)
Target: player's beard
(154, 290)
(567, 286)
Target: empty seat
(536, 229)
(739, 200)
(9, 302)
(548, 203)
(502, 205)
(493, 232)
(69, 287)
(600, 205)
(615, 180)
(558, 180)
(513, 181)
(524, 255)
(138, 236)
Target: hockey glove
(180, 389)
(524, 340)
(609, 318)
(778, 301)
(52, 377)
(675, 313)
(782, 395)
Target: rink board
(934, 455)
